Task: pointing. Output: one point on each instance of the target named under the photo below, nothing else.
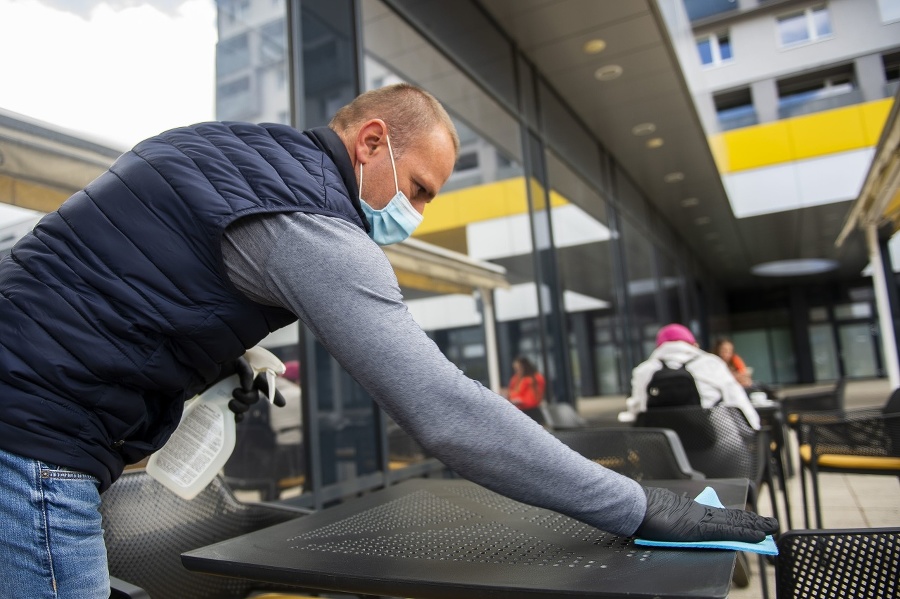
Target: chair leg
(802, 472)
(817, 504)
(784, 491)
(763, 580)
(787, 498)
(772, 495)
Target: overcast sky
(117, 70)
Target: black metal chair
(638, 453)
(562, 416)
(862, 441)
(147, 527)
(862, 563)
(827, 400)
(720, 443)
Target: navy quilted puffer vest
(116, 308)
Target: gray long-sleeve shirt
(341, 285)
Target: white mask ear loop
(393, 166)
(360, 182)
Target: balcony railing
(798, 105)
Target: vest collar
(329, 142)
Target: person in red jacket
(526, 387)
(725, 350)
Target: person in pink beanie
(676, 346)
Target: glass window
(808, 25)
(817, 91)
(890, 10)
(891, 64)
(714, 49)
(735, 109)
(824, 352)
(482, 211)
(232, 54)
(642, 288)
(853, 311)
(451, 25)
(569, 137)
(858, 350)
(671, 284)
(584, 260)
(783, 356)
(629, 198)
(701, 9)
(706, 50)
(818, 314)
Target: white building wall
(857, 31)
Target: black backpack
(670, 387)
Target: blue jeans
(53, 537)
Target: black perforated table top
(449, 539)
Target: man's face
(422, 169)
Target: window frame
(808, 15)
(715, 45)
(889, 13)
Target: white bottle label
(204, 439)
(193, 446)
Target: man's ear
(370, 139)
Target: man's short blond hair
(407, 110)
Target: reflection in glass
(858, 350)
(671, 284)
(251, 62)
(642, 287)
(481, 212)
(584, 262)
(824, 353)
(251, 71)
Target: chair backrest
(638, 453)
(147, 527)
(718, 441)
(838, 563)
(562, 416)
(816, 401)
(893, 403)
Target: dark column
(799, 308)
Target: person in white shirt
(675, 345)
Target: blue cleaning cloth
(708, 497)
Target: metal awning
(432, 268)
(879, 198)
(878, 205)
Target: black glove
(671, 517)
(250, 390)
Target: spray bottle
(204, 439)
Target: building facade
(793, 96)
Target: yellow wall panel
(26, 194)
(800, 138)
(455, 209)
(874, 115)
(752, 147)
(828, 132)
(460, 207)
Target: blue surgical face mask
(396, 221)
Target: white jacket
(714, 380)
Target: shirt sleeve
(341, 285)
(640, 378)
